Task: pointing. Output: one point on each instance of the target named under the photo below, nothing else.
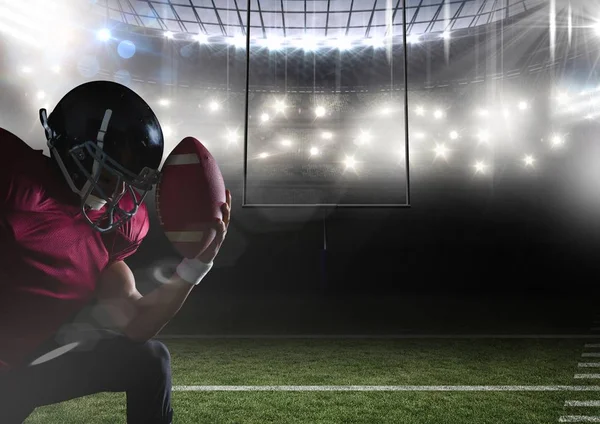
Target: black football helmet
(107, 142)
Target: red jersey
(50, 257)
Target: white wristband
(192, 270)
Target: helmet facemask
(93, 192)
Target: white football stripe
(578, 419)
(183, 159)
(184, 236)
(582, 403)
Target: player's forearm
(157, 308)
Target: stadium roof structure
(320, 19)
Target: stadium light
(320, 111)
(164, 102)
(168, 34)
(279, 106)
(375, 42)
(265, 117)
(529, 160)
(441, 150)
(314, 151)
(350, 162)
(201, 38)
(453, 135)
(239, 41)
(41, 95)
(263, 155)
(557, 141)
(363, 138)
(480, 167)
(413, 39)
(306, 43)
(523, 105)
(286, 143)
(273, 43)
(343, 43)
(232, 137)
(420, 111)
(327, 135)
(438, 114)
(214, 106)
(103, 34)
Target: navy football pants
(106, 362)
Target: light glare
(441, 150)
(529, 160)
(103, 34)
(480, 167)
(350, 162)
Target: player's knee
(155, 355)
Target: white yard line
(582, 403)
(579, 419)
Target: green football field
(367, 381)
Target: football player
(67, 223)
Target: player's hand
(210, 253)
